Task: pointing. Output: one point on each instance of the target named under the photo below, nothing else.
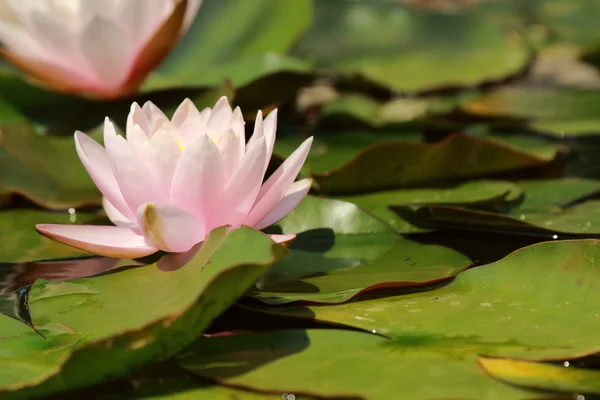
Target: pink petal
(188, 122)
(137, 182)
(94, 159)
(283, 238)
(231, 151)
(115, 216)
(108, 241)
(199, 179)
(107, 49)
(138, 139)
(270, 129)
(152, 112)
(137, 117)
(190, 13)
(286, 205)
(220, 115)
(238, 124)
(170, 228)
(162, 156)
(278, 184)
(243, 186)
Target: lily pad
(543, 376)
(355, 107)
(21, 242)
(45, 170)
(341, 252)
(211, 51)
(343, 364)
(409, 50)
(541, 212)
(484, 194)
(99, 328)
(358, 162)
(515, 307)
(558, 112)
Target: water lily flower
(170, 182)
(101, 48)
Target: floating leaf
(410, 50)
(343, 364)
(21, 242)
(211, 52)
(541, 212)
(104, 327)
(341, 251)
(46, 170)
(516, 307)
(543, 376)
(484, 194)
(366, 110)
(559, 112)
(358, 162)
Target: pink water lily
(99, 48)
(170, 182)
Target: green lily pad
(535, 375)
(515, 307)
(358, 162)
(99, 328)
(45, 170)
(355, 107)
(410, 50)
(21, 242)
(344, 364)
(484, 194)
(558, 112)
(541, 212)
(211, 51)
(340, 252)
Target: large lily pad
(541, 212)
(410, 50)
(516, 307)
(365, 110)
(342, 364)
(341, 252)
(484, 194)
(46, 170)
(21, 242)
(559, 112)
(543, 376)
(357, 162)
(99, 328)
(211, 51)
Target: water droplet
(374, 331)
(580, 397)
(455, 303)
(566, 364)
(554, 237)
(72, 210)
(485, 304)
(415, 310)
(522, 217)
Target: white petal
(137, 117)
(152, 112)
(220, 115)
(106, 48)
(188, 122)
(231, 152)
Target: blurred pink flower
(100, 48)
(171, 182)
